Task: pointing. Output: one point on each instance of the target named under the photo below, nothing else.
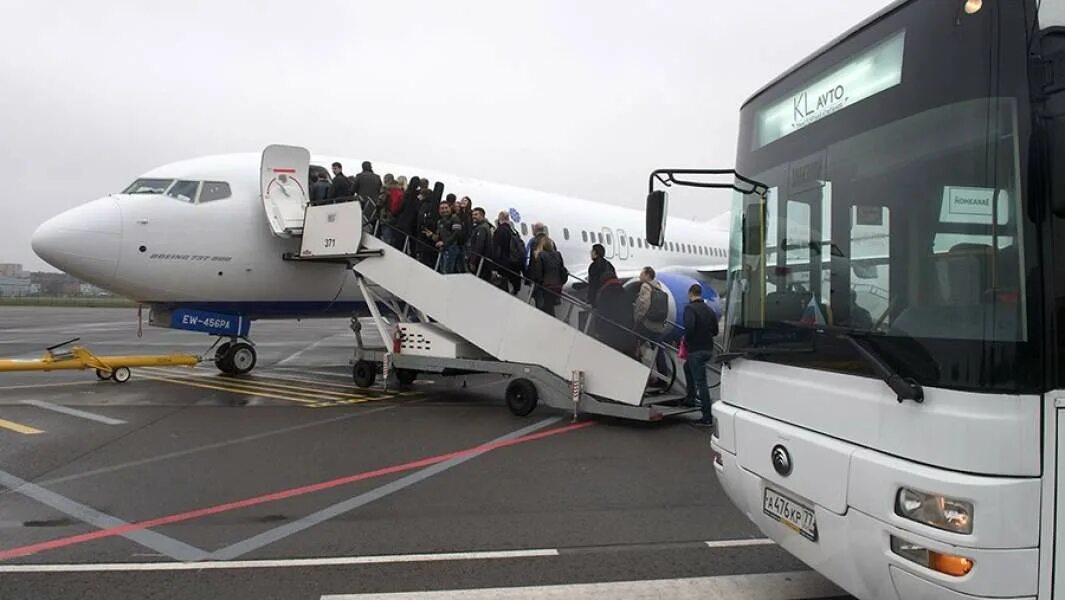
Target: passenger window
(622, 238)
(184, 191)
(524, 229)
(584, 236)
(631, 242)
(600, 236)
(609, 239)
(214, 190)
(639, 242)
(565, 232)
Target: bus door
(623, 246)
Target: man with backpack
(650, 313)
(509, 252)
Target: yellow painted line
(232, 390)
(48, 385)
(258, 379)
(19, 428)
(272, 387)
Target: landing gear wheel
(364, 373)
(406, 376)
(240, 358)
(220, 359)
(521, 397)
(121, 375)
(103, 375)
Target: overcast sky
(584, 98)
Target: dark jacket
(501, 246)
(407, 219)
(428, 218)
(700, 326)
(319, 190)
(549, 270)
(614, 307)
(341, 187)
(368, 184)
(599, 271)
(466, 218)
(448, 229)
(480, 242)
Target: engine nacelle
(676, 287)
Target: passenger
(367, 183)
(391, 200)
(538, 233)
(650, 312)
(509, 251)
(428, 217)
(700, 329)
(407, 215)
(465, 215)
(451, 199)
(341, 187)
(548, 270)
(319, 189)
(479, 247)
(613, 324)
(448, 228)
(600, 270)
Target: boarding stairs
(505, 327)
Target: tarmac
(290, 482)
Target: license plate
(793, 515)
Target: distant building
(17, 286)
(10, 270)
(88, 289)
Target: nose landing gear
(235, 357)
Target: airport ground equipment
(115, 368)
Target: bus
(893, 373)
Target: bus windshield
(895, 210)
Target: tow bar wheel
(103, 375)
(121, 374)
(521, 397)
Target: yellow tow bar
(116, 368)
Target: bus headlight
(948, 564)
(934, 510)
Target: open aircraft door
(283, 184)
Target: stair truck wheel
(121, 374)
(220, 354)
(364, 373)
(406, 376)
(103, 375)
(521, 397)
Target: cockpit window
(214, 190)
(184, 191)
(148, 186)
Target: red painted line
(284, 170)
(281, 495)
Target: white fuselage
(222, 254)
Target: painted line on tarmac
(283, 531)
(46, 385)
(293, 492)
(337, 561)
(214, 446)
(230, 388)
(66, 410)
(740, 543)
(19, 427)
(768, 586)
(268, 385)
(149, 539)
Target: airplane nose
(83, 241)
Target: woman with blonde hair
(548, 271)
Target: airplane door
(283, 186)
(608, 242)
(623, 245)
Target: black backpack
(516, 253)
(659, 309)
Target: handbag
(682, 350)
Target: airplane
(199, 244)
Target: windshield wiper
(727, 357)
(905, 388)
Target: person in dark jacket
(700, 328)
(319, 189)
(406, 220)
(428, 218)
(479, 246)
(448, 231)
(600, 270)
(613, 324)
(341, 187)
(548, 270)
(367, 183)
(510, 271)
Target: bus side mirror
(657, 209)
